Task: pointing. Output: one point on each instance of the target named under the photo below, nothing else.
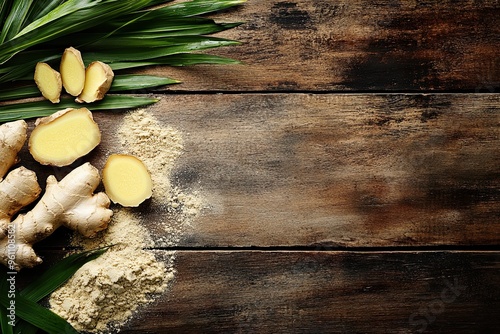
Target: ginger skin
(98, 79)
(20, 187)
(70, 202)
(12, 138)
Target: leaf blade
(59, 273)
(33, 313)
(127, 82)
(15, 19)
(113, 102)
(4, 322)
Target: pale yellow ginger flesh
(98, 80)
(70, 202)
(62, 138)
(126, 180)
(72, 71)
(48, 82)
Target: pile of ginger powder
(107, 292)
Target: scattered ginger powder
(105, 293)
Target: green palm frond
(125, 34)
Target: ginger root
(12, 138)
(126, 180)
(48, 81)
(72, 71)
(70, 202)
(98, 79)
(62, 138)
(20, 187)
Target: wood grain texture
(352, 45)
(328, 292)
(338, 170)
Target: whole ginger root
(70, 202)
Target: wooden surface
(350, 169)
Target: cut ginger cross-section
(98, 79)
(62, 138)
(126, 180)
(72, 71)
(48, 82)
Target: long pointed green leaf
(140, 44)
(199, 7)
(146, 32)
(35, 314)
(34, 109)
(4, 322)
(17, 93)
(23, 327)
(15, 19)
(181, 59)
(41, 8)
(186, 59)
(59, 273)
(141, 54)
(4, 9)
(21, 71)
(76, 21)
(60, 11)
(131, 82)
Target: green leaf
(24, 65)
(28, 110)
(186, 59)
(23, 327)
(33, 313)
(101, 11)
(4, 322)
(4, 9)
(59, 273)
(15, 19)
(60, 11)
(16, 93)
(181, 59)
(41, 8)
(127, 82)
(194, 8)
(192, 43)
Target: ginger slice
(98, 80)
(48, 81)
(62, 138)
(126, 180)
(72, 71)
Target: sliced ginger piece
(98, 79)
(62, 138)
(72, 71)
(48, 81)
(126, 180)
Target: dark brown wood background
(352, 170)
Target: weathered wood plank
(328, 292)
(345, 170)
(356, 45)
